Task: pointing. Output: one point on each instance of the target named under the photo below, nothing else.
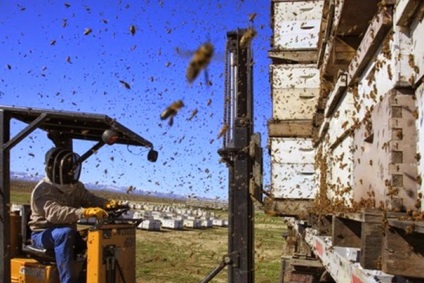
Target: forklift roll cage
(62, 127)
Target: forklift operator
(57, 202)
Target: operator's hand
(97, 212)
(111, 204)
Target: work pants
(65, 242)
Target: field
(189, 255)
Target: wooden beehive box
(293, 181)
(340, 110)
(296, 24)
(419, 94)
(291, 150)
(295, 91)
(292, 168)
(385, 164)
(407, 17)
(339, 175)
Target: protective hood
(62, 167)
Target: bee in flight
(132, 29)
(247, 37)
(224, 129)
(199, 61)
(171, 111)
(87, 31)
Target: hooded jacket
(54, 205)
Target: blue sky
(47, 62)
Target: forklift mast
(238, 118)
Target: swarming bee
(171, 111)
(199, 61)
(247, 37)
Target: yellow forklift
(110, 255)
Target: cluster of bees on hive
(322, 204)
(338, 204)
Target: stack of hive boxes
(369, 135)
(295, 85)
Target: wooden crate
(385, 164)
(296, 24)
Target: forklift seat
(41, 255)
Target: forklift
(111, 242)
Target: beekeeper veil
(62, 167)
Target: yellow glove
(97, 212)
(112, 204)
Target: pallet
(300, 269)
(356, 230)
(386, 241)
(403, 248)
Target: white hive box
(292, 168)
(150, 224)
(385, 157)
(417, 54)
(406, 18)
(176, 224)
(138, 215)
(291, 150)
(156, 214)
(419, 94)
(296, 24)
(387, 70)
(295, 91)
(293, 181)
(218, 222)
(206, 223)
(340, 111)
(192, 223)
(340, 175)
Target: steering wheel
(116, 212)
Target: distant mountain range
(22, 176)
